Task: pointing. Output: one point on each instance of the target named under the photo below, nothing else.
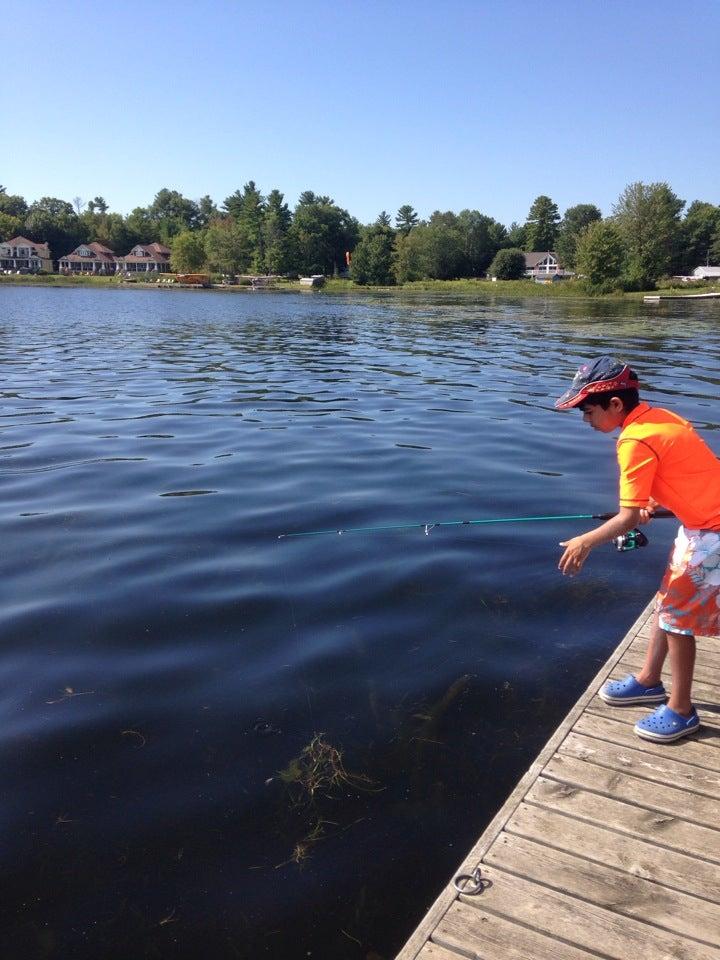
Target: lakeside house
(146, 258)
(89, 258)
(19, 253)
(95, 258)
(544, 266)
(706, 273)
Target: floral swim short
(688, 600)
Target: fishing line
(427, 527)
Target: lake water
(164, 656)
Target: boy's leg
(655, 654)
(682, 667)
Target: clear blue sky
(443, 105)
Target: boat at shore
(316, 280)
(193, 279)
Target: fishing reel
(632, 540)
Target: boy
(664, 462)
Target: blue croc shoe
(665, 725)
(630, 691)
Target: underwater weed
(313, 778)
(318, 770)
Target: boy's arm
(577, 549)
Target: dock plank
(638, 821)
(609, 846)
(475, 933)
(432, 951)
(655, 768)
(672, 801)
(582, 924)
(623, 893)
(599, 843)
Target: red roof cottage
(89, 258)
(146, 258)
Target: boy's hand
(646, 514)
(576, 553)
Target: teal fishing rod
(639, 541)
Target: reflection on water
(168, 662)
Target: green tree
(405, 219)
(207, 211)
(715, 248)
(13, 205)
(481, 237)
(277, 243)
(383, 219)
(227, 247)
(322, 233)
(411, 255)
(98, 205)
(601, 254)
(509, 264)
(648, 217)
(53, 221)
(9, 226)
(140, 226)
(172, 213)
(110, 229)
(576, 219)
(445, 248)
(372, 259)
(697, 233)
(516, 236)
(542, 225)
(232, 205)
(188, 252)
(113, 232)
(247, 209)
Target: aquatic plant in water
(312, 777)
(320, 768)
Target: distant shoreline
(483, 289)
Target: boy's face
(604, 420)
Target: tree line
(646, 237)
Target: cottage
(543, 266)
(25, 255)
(89, 258)
(146, 258)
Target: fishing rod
(640, 540)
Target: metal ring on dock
(473, 883)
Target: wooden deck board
(634, 896)
(609, 845)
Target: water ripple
(153, 626)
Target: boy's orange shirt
(661, 456)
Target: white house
(23, 254)
(544, 265)
(706, 273)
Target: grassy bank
(478, 288)
(116, 283)
(518, 288)
(57, 280)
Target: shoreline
(483, 289)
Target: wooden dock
(608, 847)
(658, 298)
